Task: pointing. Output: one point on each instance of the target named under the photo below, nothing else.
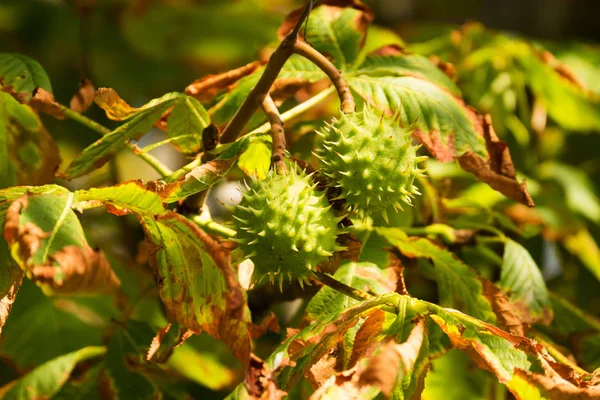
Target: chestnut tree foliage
(379, 193)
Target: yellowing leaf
(256, 160)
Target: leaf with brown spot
(11, 278)
(508, 316)
(259, 383)
(429, 102)
(47, 241)
(166, 341)
(196, 281)
(194, 181)
(20, 75)
(84, 97)
(28, 155)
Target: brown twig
(307, 51)
(261, 89)
(278, 134)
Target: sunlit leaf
(583, 246)
(338, 32)
(363, 276)
(459, 286)
(193, 181)
(47, 379)
(126, 198)
(256, 160)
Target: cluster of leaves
(444, 300)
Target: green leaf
(582, 59)
(363, 276)
(122, 376)
(454, 377)
(442, 119)
(298, 67)
(193, 181)
(28, 155)
(338, 33)
(46, 380)
(256, 160)
(67, 323)
(204, 360)
(8, 195)
(459, 286)
(407, 65)
(226, 107)
(570, 105)
(20, 75)
(125, 198)
(523, 280)
(139, 123)
(47, 241)
(569, 319)
(187, 121)
(196, 281)
(82, 387)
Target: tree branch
(307, 51)
(341, 287)
(278, 134)
(261, 89)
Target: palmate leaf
(522, 278)
(46, 380)
(20, 75)
(47, 241)
(459, 286)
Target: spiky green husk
(371, 159)
(285, 226)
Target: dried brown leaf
(42, 100)
(84, 97)
(367, 337)
(7, 300)
(206, 88)
(509, 317)
(269, 323)
(498, 170)
(260, 381)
